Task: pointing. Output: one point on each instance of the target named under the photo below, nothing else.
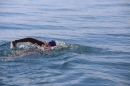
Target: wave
(28, 49)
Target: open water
(93, 37)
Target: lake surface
(93, 37)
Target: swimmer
(41, 45)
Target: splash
(26, 49)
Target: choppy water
(95, 39)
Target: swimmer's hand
(13, 44)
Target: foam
(61, 44)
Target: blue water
(95, 39)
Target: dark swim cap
(52, 43)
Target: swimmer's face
(46, 47)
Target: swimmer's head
(52, 43)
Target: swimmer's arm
(32, 40)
